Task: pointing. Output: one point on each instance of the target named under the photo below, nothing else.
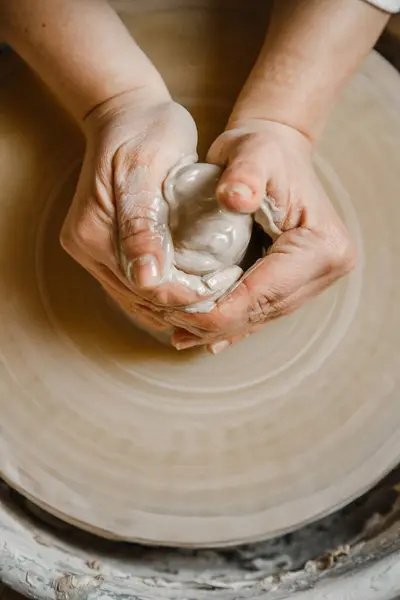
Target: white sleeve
(390, 6)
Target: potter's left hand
(313, 250)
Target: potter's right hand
(117, 226)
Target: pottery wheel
(108, 429)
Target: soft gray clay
(205, 236)
(208, 242)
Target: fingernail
(185, 345)
(241, 191)
(219, 347)
(145, 271)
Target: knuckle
(128, 155)
(67, 240)
(76, 236)
(134, 199)
(350, 260)
(262, 309)
(139, 224)
(343, 254)
(82, 236)
(140, 210)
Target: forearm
(79, 48)
(311, 50)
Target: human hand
(311, 252)
(117, 226)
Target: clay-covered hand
(311, 246)
(117, 226)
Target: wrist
(274, 130)
(85, 66)
(141, 97)
(282, 114)
(308, 56)
(285, 89)
(275, 116)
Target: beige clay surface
(107, 428)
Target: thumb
(144, 240)
(142, 234)
(242, 185)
